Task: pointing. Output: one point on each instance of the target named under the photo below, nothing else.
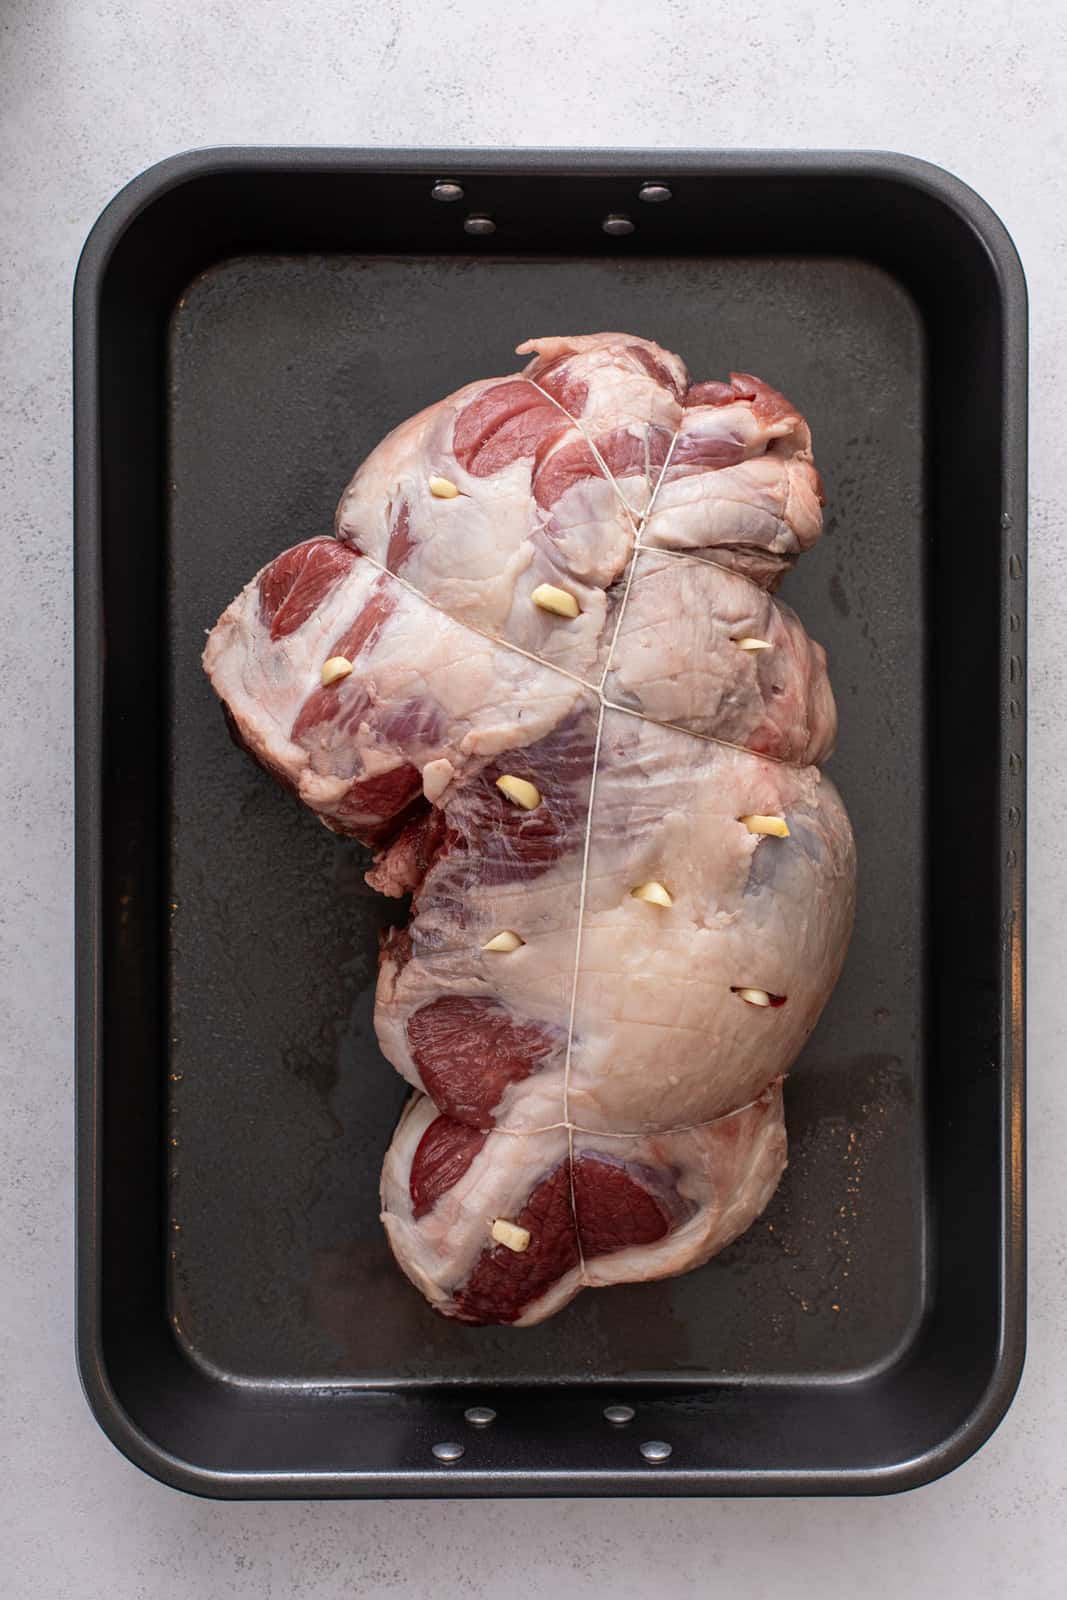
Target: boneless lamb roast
(539, 667)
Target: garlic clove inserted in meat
(443, 489)
(511, 1235)
(653, 893)
(334, 670)
(506, 941)
(756, 822)
(520, 791)
(758, 997)
(753, 644)
(558, 601)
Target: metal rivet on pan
(654, 194)
(656, 1449)
(617, 224)
(478, 224)
(480, 1416)
(619, 1414)
(448, 1451)
(445, 189)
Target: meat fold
(610, 1080)
(599, 1209)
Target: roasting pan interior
(284, 373)
(257, 339)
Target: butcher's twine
(638, 522)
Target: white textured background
(90, 94)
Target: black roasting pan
(248, 323)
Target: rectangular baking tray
(248, 324)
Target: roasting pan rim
(97, 1353)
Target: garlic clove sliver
(519, 791)
(653, 893)
(509, 1234)
(558, 601)
(758, 997)
(334, 670)
(756, 822)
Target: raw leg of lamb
(540, 667)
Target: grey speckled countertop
(91, 93)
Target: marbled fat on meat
(612, 1083)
